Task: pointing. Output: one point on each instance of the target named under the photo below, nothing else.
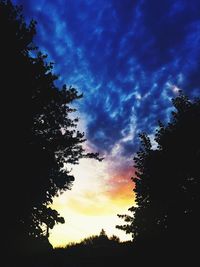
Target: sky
(129, 59)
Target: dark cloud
(125, 56)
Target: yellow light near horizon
(77, 227)
(91, 205)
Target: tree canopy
(168, 181)
(39, 134)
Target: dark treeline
(39, 137)
(165, 223)
(98, 250)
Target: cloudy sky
(128, 58)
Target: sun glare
(92, 204)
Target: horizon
(129, 60)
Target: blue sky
(127, 57)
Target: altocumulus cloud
(127, 57)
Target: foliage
(167, 180)
(39, 133)
(100, 240)
(96, 250)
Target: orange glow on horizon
(93, 203)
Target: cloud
(122, 55)
(101, 191)
(128, 58)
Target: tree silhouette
(99, 240)
(38, 132)
(97, 250)
(168, 182)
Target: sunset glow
(93, 203)
(128, 59)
